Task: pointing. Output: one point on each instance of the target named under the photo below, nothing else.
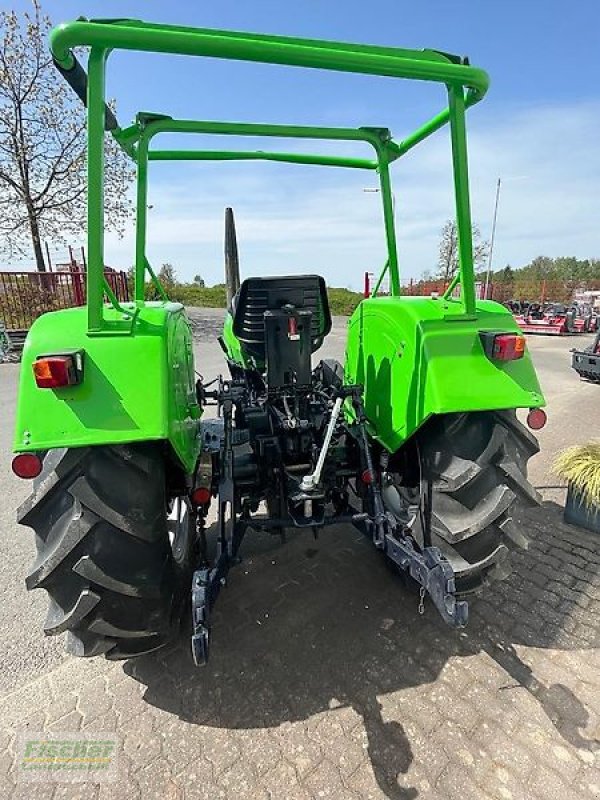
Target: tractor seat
(258, 295)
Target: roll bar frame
(465, 85)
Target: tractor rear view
(414, 440)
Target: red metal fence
(533, 291)
(24, 296)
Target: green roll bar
(148, 126)
(102, 36)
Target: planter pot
(577, 513)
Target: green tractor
(414, 440)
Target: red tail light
(201, 496)
(52, 372)
(367, 476)
(27, 465)
(503, 346)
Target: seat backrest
(257, 295)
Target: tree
(167, 275)
(448, 250)
(505, 276)
(43, 146)
(199, 281)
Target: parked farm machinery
(549, 318)
(586, 361)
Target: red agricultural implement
(554, 319)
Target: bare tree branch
(448, 255)
(43, 145)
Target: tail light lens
(27, 465)
(536, 419)
(503, 346)
(201, 496)
(54, 371)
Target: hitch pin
(422, 600)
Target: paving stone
(125, 787)
(240, 782)
(108, 722)
(261, 750)
(221, 749)
(156, 780)
(95, 701)
(69, 722)
(140, 742)
(502, 784)
(547, 748)
(549, 785)
(364, 784)
(325, 782)
(76, 791)
(181, 744)
(33, 791)
(456, 784)
(282, 783)
(126, 698)
(198, 784)
(382, 704)
(504, 750)
(62, 705)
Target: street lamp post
(493, 236)
(377, 190)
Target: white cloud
(292, 218)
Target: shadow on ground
(308, 626)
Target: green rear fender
(136, 386)
(418, 356)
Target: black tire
(477, 463)
(104, 555)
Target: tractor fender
(419, 356)
(138, 383)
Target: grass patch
(341, 301)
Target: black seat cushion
(257, 295)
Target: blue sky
(538, 130)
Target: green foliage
(341, 301)
(580, 466)
(190, 294)
(556, 278)
(564, 268)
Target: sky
(538, 130)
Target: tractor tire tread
(477, 463)
(103, 554)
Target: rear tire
(115, 580)
(478, 466)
